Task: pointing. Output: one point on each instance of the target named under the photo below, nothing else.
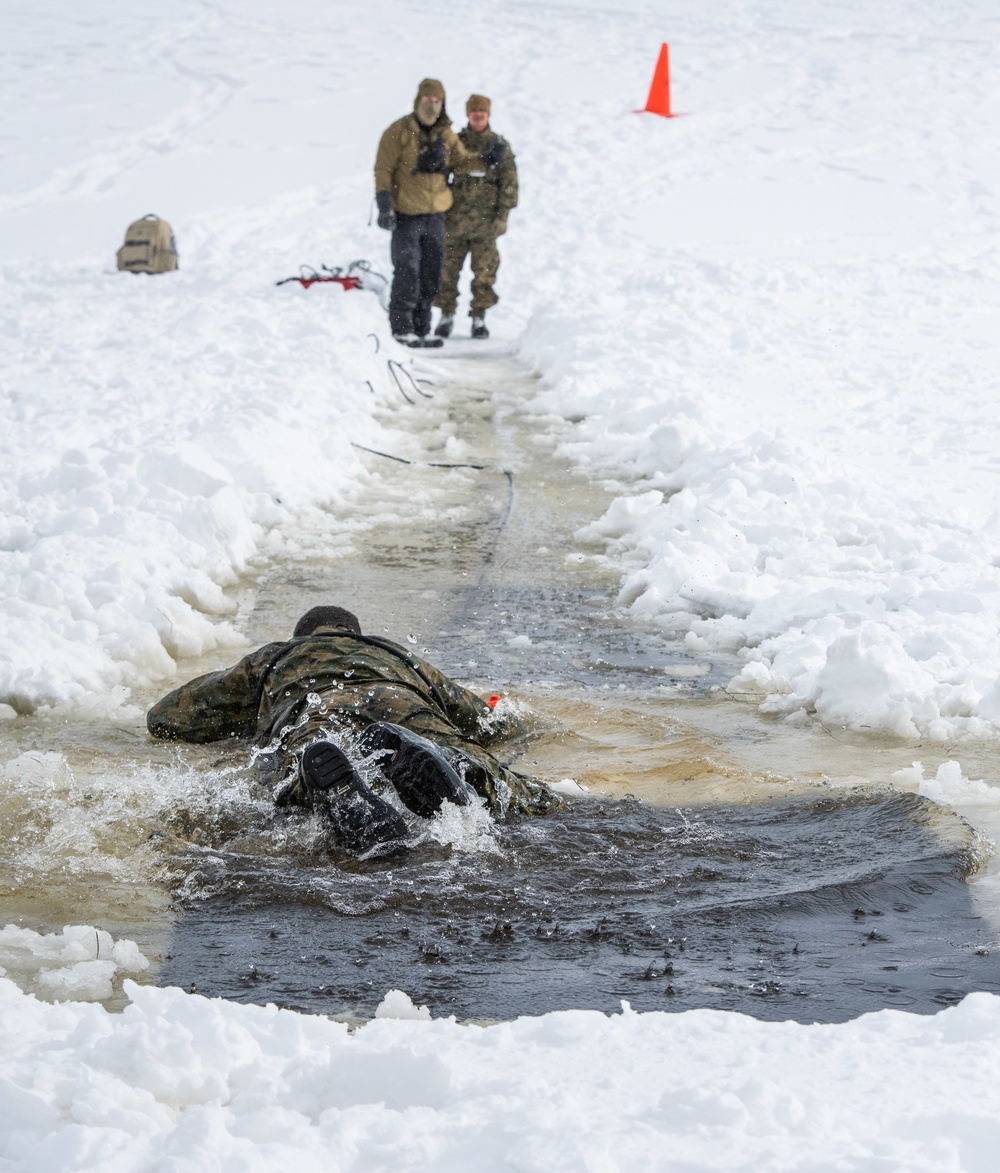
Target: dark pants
(417, 253)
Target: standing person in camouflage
(388, 706)
(485, 189)
(414, 157)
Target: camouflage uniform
(482, 200)
(291, 694)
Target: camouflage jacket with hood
(482, 197)
(416, 193)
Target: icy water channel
(716, 859)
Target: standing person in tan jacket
(414, 157)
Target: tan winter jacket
(415, 193)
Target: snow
(79, 963)
(778, 334)
(772, 322)
(397, 1004)
(155, 451)
(182, 1082)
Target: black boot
(444, 327)
(422, 319)
(360, 819)
(479, 327)
(416, 767)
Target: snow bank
(157, 441)
(79, 963)
(181, 1081)
(160, 433)
(774, 324)
(974, 799)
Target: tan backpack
(149, 247)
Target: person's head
(478, 110)
(326, 617)
(429, 102)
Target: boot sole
(326, 767)
(419, 772)
(360, 819)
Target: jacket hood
(430, 87)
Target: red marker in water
(493, 701)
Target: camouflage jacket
(482, 198)
(267, 689)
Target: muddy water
(763, 868)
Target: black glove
(432, 159)
(494, 154)
(386, 216)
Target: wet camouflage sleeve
(463, 708)
(220, 704)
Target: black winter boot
(422, 319)
(479, 327)
(416, 767)
(360, 819)
(444, 326)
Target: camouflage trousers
(342, 714)
(485, 263)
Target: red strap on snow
(347, 282)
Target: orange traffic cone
(658, 101)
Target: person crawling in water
(427, 734)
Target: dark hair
(326, 617)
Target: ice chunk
(86, 981)
(397, 1004)
(80, 963)
(567, 786)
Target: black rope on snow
(508, 506)
(510, 502)
(402, 389)
(378, 344)
(413, 381)
(366, 267)
(478, 467)
(306, 273)
(438, 464)
(375, 452)
(369, 385)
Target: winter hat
(477, 102)
(430, 87)
(326, 617)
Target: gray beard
(427, 117)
